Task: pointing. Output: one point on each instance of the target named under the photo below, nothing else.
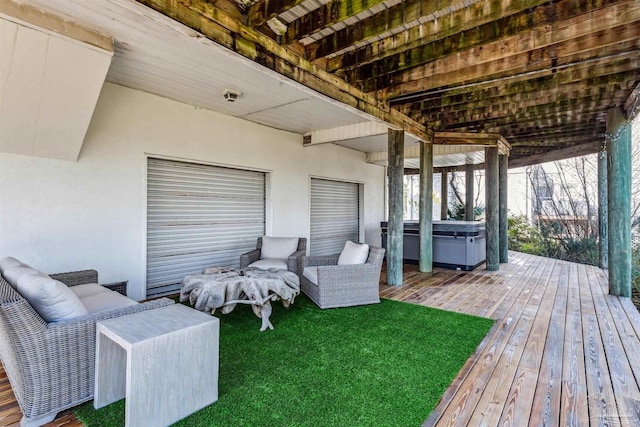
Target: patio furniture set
(65, 339)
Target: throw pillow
(8, 262)
(354, 253)
(52, 299)
(13, 274)
(278, 247)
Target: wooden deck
(562, 351)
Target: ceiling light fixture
(231, 95)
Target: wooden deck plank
(494, 396)
(463, 405)
(545, 410)
(574, 394)
(520, 398)
(615, 331)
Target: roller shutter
(334, 215)
(199, 216)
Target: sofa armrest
(74, 278)
(249, 257)
(313, 261)
(119, 287)
(338, 275)
(292, 261)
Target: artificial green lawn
(385, 364)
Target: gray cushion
(8, 262)
(103, 301)
(354, 253)
(278, 247)
(12, 274)
(265, 264)
(88, 289)
(311, 273)
(52, 299)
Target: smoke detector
(231, 95)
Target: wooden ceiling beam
(595, 100)
(553, 155)
(567, 105)
(547, 119)
(452, 74)
(215, 24)
(565, 131)
(602, 61)
(580, 35)
(411, 13)
(331, 13)
(556, 84)
(428, 30)
(557, 142)
(548, 24)
(262, 11)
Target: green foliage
(383, 364)
(548, 241)
(457, 211)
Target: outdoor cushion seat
(51, 365)
(330, 285)
(311, 273)
(265, 264)
(108, 300)
(276, 252)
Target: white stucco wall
(61, 216)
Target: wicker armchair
(292, 261)
(51, 365)
(343, 285)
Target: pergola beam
(511, 65)
(551, 156)
(264, 10)
(428, 30)
(504, 37)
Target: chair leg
(37, 422)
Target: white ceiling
(156, 54)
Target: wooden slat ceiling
(540, 73)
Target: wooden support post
(426, 207)
(468, 190)
(395, 228)
(619, 202)
(603, 221)
(444, 195)
(491, 212)
(502, 207)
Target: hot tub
(460, 245)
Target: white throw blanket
(225, 288)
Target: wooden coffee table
(224, 288)
(163, 361)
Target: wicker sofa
(51, 365)
(342, 285)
